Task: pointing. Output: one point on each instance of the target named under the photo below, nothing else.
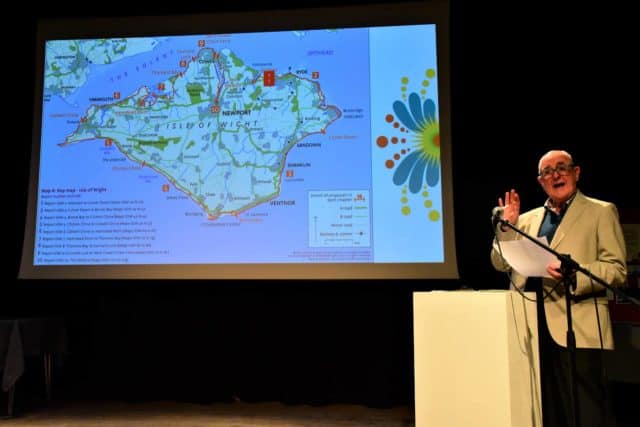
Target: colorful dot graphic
(413, 145)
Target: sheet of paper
(527, 258)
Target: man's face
(558, 177)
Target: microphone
(496, 215)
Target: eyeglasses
(561, 169)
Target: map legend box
(339, 218)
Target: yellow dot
(404, 200)
(406, 210)
(425, 194)
(404, 80)
(431, 73)
(428, 203)
(425, 83)
(423, 92)
(403, 88)
(434, 215)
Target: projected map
(219, 130)
(241, 148)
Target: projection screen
(281, 144)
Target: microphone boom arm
(567, 265)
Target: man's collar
(552, 207)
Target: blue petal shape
(433, 174)
(402, 171)
(401, 111)
(416, 109)
(417, 175)
(429, 110)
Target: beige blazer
(591, 234)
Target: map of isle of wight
(218, 130)
(276, 147)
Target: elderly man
(589, 231)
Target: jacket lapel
(574, 212)
(536, 222)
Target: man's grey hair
(549, 153)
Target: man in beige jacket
(589, 231)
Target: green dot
(404, 200)
(403, 88)
(428, 203)
(423, 92)
(425, 83)
(406, 210)
(434, 215)
(425, 194)
(404, 190)
(404, 80)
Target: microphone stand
(568, 268)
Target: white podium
(476, 359)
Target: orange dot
(389, 164)
(396, 124)
(394, 140)
(396, 156)
(389, 118)
(436, 140)
(382, 141)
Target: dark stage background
(524, 79)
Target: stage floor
(239, 414)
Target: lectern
(476, 359)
